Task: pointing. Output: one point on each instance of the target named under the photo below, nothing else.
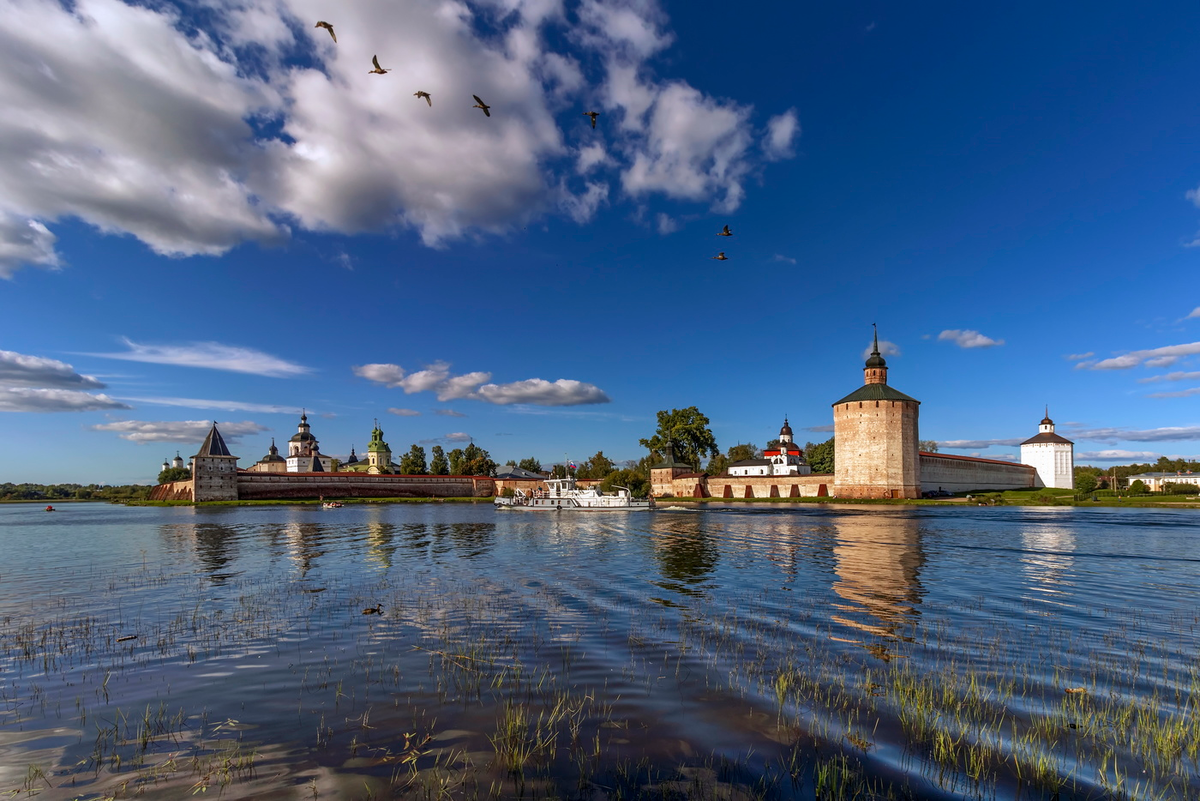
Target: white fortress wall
(964, 473)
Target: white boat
(563, 496)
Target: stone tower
(1053, 456)
(379, 455)
(214, 470)
(875, 438)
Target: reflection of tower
(686, 555)
(879, 561)
(1047, 559)
(875, 438)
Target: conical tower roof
(214, 444)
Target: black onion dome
(786, 430)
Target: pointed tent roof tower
(214, 444)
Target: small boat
(49, 508)
(332, 504)
(562, 495)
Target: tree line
(78, 492)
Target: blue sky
(211, 211)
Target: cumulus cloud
(211, 356)
(782, 130)
(220, 405)
(1153, 357)
(457, 436)
(1165, 434)
(20, 370)
(968, 338)
(970, 444)
(539, 392)
(886, 348)
(437, 378)
(197, 133)
(28, 399)
(183, 431)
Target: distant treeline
(78, 492)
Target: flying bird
(378, 69)
(481, 105)
(725, 232)
(721, 256)
(425, 95)
(593, 115)
(328, 27)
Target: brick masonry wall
(264, 486)
(876, 449)
(172, 491)
(965, 475)
(759, 486)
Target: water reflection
(686, 555)
(469, 539)
(303, 544)
(878, 565)
(1048, 560)
(214, 545)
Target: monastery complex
(876, 455)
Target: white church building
(784, 460)
(304, 454)
(1051, 455)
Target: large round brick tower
(875, 438)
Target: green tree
(439, 466)
(638, 485)
(174, 474)
(928, 445)
(1138, 487)
(598, 466)
(531, 464)
(1086, 483)
(736, 453)
(820, 456)
(413, 462)
(688, 433)
(471, 461)
(562, 471)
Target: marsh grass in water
(753, 656)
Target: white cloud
(1165, 434)
(667, 224)
(220, 405)
(1153, 357)
(211, 356)
(457, 436)
(886, 348)
(968, 338)
(1075, 357)
(193, 140)
(19, 370)
(472, 386)
(25, 241)
(184, 431)
(404, 412)
(779, 257)
(582, 208)
(1182, 393)
(448, 413)
(539, 392)
(1195, 313)
(782, 130)
(1176, 376)
(28, 399)
(970, 444)
(1117, 456)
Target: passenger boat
(562, 495)
(331, 504)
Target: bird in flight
(481, 105)
(425, 95)
(725, 232)
(328, 27)
(721, 256)
(378, 69)
(593, 115)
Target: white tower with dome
(1051, 455)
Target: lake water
(729, 653)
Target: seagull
(593, 115)
(725, 232)
(328, 27)
(425, 95)
(721, 256)
(378, 69)
(481, 105)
